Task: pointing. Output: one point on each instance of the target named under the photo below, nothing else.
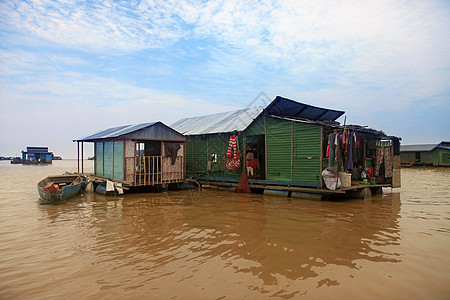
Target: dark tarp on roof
(284, 107)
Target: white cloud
(340, 54)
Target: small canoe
(59, 188)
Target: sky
(70, 68)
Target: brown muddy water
(214, 244)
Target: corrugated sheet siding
(196, 156)
(118, 160)
(307, 140)
(256, 128)
(99, 159)
(303, 140)
(108, 159)
(278, 149)
(199, 151)
(216, 146)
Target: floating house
(426, 154)
(149, 154)
(36, 155)
(283, 146)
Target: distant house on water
(36, 155)
(426, 154)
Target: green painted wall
(199, 150)
(293, 152)
(426, 157)
(303, 140)
(441, 157)
(408, 157)
(307, 141)
(437, 157)
(279, 144)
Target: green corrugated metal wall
(441, 157)
(256, 128)
(283, 138)
(307, 140)
(216, 145)
(199, 150)
(300, 139)
(279, 145)
(426, 157)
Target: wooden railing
(148, 170)
(154, 170)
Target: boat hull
(72, 187)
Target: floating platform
(363, 191)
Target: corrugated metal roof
(116, 132)
(417, 148)
(240, 119)
(424, 147)
(237, 120)
(285, 107)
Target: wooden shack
(437, 155)
(284, 144)
(148, 154)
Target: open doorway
(255, 156)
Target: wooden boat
(59, 188)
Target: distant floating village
(33, 156)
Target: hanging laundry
(331, 150)
(233, 162)
(328, 148)
(339, 152)
(384, 153)
(350, 155)
(231, 152)
(171, 150)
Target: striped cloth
(232, 148)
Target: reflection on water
(217, 244)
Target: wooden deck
(341, 191)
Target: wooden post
(82, 156)
(113, 145)
(95, 158)
(78, 155)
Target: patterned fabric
(232, 147)
(386, 154)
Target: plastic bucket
(346, 179)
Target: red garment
(370, 172)
(254, 163)
(328, 148)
